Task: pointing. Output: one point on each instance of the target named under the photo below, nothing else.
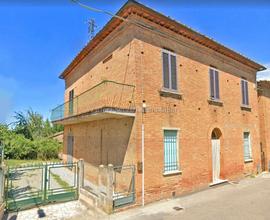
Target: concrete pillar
(100, 202)
(109, 187)
(81, 173)
(2, 190)
(2, 184)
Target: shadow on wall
(106, 142)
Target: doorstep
(218, 182)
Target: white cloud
(264, 75)
(8, 87)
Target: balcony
(107, 99)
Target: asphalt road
(250, 199)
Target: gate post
(45, 181)
(81, 173)
(2, 183)
(100, 186)
(2, 190)
(110, 180)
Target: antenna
(91, 28)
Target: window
(169, 70)
(214, 84)
(244, 90)
(171, 163)
(247, 147)
(71, 102)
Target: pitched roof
(264, 84)
(133, 7)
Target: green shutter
(170, 151)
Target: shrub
(18, 147)
(47, 148)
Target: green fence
(124, 186)
(40, 184)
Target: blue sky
(38, 40)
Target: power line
(97, 10)
(112, 15)
(150, 28)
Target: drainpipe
(142, 164)
(143, 111)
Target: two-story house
(264, 114)
(151, 92)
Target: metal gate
(124, 186)
(40, 184)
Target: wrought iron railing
(107, 94)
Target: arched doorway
(215, 140)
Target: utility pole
(91, 28)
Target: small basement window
(107, 59)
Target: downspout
(142, 164)
(143, 111)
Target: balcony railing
(105, 95)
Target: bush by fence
(22, 148)
(17, 146)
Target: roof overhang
(133, 7)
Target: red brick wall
(264, 109)
(108, 141)
(193, 115)
(137, 60)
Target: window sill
(245, 108)
(215, 102)
(170, 93)
(249, 161)
(170, 173)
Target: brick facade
(264, 111)
(135, 58)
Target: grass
(24, 162)
(62, 183)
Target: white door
(216, 159)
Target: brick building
(151, 92)
(264, 112)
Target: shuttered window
(247, 147)
(169, 70)
(244, 91)
(171, 162)
(214, 84)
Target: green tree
(32, 125)
(21, 125)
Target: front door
(216, 160)
(70, 149)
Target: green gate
(123, 186)
(40, 184)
